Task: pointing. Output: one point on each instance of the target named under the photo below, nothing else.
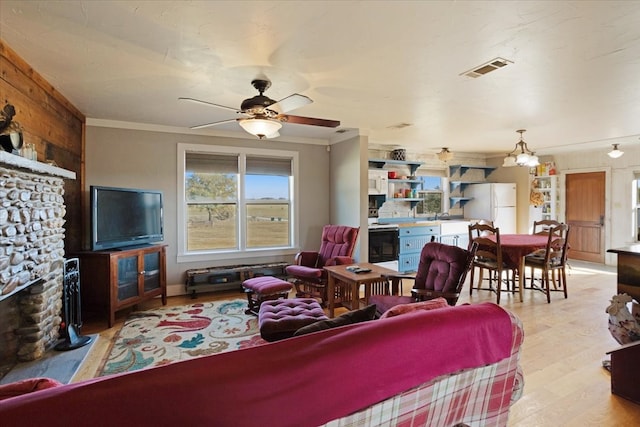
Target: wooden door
(584, 193)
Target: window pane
(431, 182)
(211, 226)
(211, 210)
(267, 225)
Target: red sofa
(439, 367)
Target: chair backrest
(476, 231)
(443, 268)
(557, 246)
(337, 240)
(543, 226)
(487, 238)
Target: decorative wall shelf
(462, 184)
(464, 168)
(380, 163)
(461, 200)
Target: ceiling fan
(262, 116)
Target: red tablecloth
(515, 246)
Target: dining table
(514, 249)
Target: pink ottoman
(264, 288)
(280, 319)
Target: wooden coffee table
(338, 275)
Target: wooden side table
(338, 275)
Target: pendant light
(615, 153)
(445, 155)
(521, 155)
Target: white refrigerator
(492, 201)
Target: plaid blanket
(478, 397)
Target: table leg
(355, 295)
(331, 294)
(367, 293)
(521, 277)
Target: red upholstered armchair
(310, 279)
(442, 271)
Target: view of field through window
(212, 211)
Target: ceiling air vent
(487, 67)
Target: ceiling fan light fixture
(615, 153)
(445, 155)
(521, 155)
(261, 128)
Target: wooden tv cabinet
(115, 279)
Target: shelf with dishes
(381, 163)
(547, 186)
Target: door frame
(609, 258)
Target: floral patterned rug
(166, 335)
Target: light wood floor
(565, 343)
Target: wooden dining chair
(543, 226)
(477, 232)
(551, 259)
(489, 257)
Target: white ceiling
(373, 65)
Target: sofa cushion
(408, 308)
(355, 316)
(29, 385)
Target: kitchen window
(434, 193)
(234, 201)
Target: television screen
(123, 217)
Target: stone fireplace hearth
(32, 232)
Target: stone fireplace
(32, 232)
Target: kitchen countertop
(411, 222)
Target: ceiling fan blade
(290, 103)
(206, 125)
(309, 121)
(211, 104)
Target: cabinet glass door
(127, 277)
(151, 271)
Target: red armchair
(441, 273)
(309, 277)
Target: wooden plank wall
(53, 125)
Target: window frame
(242, 251)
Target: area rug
(166, 335)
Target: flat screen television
(125, 217)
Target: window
(235, 201)
(433, 193)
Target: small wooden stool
(264, 288)
(282, 318)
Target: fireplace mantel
(11, 160)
